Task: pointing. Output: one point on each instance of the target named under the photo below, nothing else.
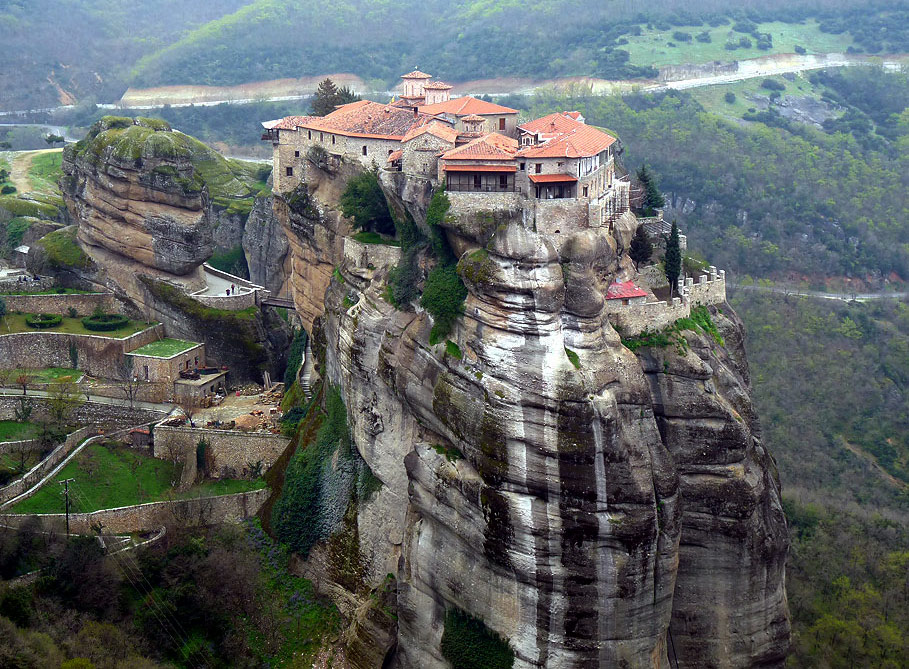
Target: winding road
(800, 292)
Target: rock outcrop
(594, 507)
(266, 247)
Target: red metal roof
(622, 290)
(480, 168)
(551, 178)
(466, 105)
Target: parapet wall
(146, 517)
(13, 285)
(708, 289)
(633, 319)
(84, 304)
(363, 255)
(95, 355)
(230, 453)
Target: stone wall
(43, 468)
(97, 355)
(84, 304)
(13, 285)
(559, 217)
(709, 288)
(237, 302)
(151, 516)
(230, 453)
(421, 155)
(363, 255)
(167, 370)
(633, 319)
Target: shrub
(105, 322)
(71, 311)
(468, 644)
(43, 321)
(443, 297)
(773, 85)
(703, 37)
(681, 36)
(729, 97)
(800, 49)
(364, 202)
(2, 307)
(573, 357)
(453, 350)
(7, 189)
(745, 43)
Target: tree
(5, 146)
(364, 202)
(128, 382)
(652, 199)
(326, 98)
(63, 398)
(2, 307)
(189, 404)
(53, 140)
(641, 249)
(673, 259)
(23, 379)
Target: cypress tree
(326, 98)
(641, 249)
(652, 199)
(673, 259)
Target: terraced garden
(110, 476)
(14, 323)
(164, 348)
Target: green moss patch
(165, 348)
(573, 356)
(699, 321)
(63, 251)
(468, 644)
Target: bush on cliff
(63, 251)
(443, 297)
(295, 357)
(468, 644)
(364, 202)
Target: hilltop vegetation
(104, 45)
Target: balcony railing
(486, 188)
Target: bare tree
(128, 382)
(189, 404)
(23, 379)
(63, 399)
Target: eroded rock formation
(595, 507)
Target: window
(523, 165)
(289, 171)
(332, 139)
(364, 149)
(296, 154)
(503, 181)
(539, 167)
(146, 372)
(502, 123)
(321, 136)
(585, 191)
(309, 134)
(477, 182)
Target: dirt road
(20, 167)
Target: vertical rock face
(594, 507)
(266, 247)
(135, 193)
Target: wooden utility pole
(65, 483)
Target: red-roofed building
(626, 291)
(483, 165)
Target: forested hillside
(95, 48)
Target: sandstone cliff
(594, 507)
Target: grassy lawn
(12, 461)
(109, 477)
(12, 323)
(164, 348)
(375, 238)
(652, 46)
(45, 170)
(46, 375)
(11, 430)
(713, 97)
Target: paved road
(845, 297)
(98, 399)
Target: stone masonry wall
(708, 288)
(230, 453)
(635, 318)
(97, 356)
(362, 255)
(84, 304)
(147, 517)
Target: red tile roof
(366, 119)
(437, 128)
(437, 86)
(552, 178)
(487, 147)
(480, 168)
(466, 105)
(566, 137)
(622, 290)
(416, 74)
(395, 155)
(286, 123)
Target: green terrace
(164, 348)
(111, 475)
(15, 322)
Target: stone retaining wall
(22, 446)
(43, 468)
(633, 319)
(228, 302)
(84, 304)
(14, 286)
(146, 517)
(363, 255)
(709, 288)
(96, 355)
(230, 453)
